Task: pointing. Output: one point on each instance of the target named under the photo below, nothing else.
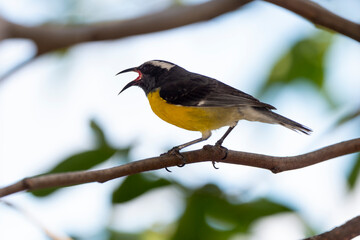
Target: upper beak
(130, 83)
(127, 70)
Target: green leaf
(101, 142)
(99, 135)
(77, 162)
(192, 224)
(114, 235)
(136, 185)
(61, 52)
(88, 159)
(304, 62)
(248, 213)
(354, 173)
(83, 161)
(210, 215)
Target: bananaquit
(199, 103)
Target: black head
(151, 74)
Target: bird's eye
(146, 69)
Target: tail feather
(267, 116)
(286, 122)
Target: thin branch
(17, 67)
(208, 153)
(320, 16)
(50, 234)
(347, 231)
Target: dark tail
(288, 123)
(271, 117)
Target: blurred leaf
(136, 185)
(61, 52)
(248, 213)
(101, 141)
(99, 134)
(209, 215)
(124, 153)
(354, 173)
(113, 235)
(192, 224)
(83, 161)
(348, 117)
(304, 61)
(86, 160)
(146, 235)
(77, 162)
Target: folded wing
(202, 91)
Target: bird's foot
(213, 163)
(176, 152)
(218, 145)
(221, 148)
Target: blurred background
(62, 112)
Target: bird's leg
(176, 150)
(221, 140)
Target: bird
(199, 103)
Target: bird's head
(151, 74)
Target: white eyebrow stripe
(165, 65)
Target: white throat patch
(165, 65)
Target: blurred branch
(51, 37)
(17, 67)
(207, 153)
(50, 234)
(321, 16)
(347, 231)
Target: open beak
(132, 83)
(127, 70)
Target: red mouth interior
(139, 77)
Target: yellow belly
(192, 118)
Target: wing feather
(202, 91)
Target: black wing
(198, 90)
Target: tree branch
(49, 233)
(52, 37)
(48, 38)
(208, 153)
(347, 231)
(320, 16)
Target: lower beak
(130, 83)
